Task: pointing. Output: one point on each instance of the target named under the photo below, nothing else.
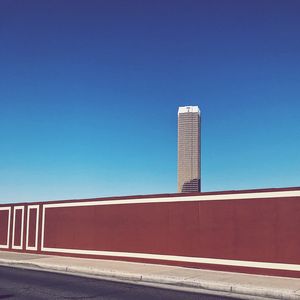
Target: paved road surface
(26, 284)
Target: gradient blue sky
(89, 92)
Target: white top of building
(186, 109)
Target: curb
(202, 286)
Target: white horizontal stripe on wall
(200, 260)
(221, 197)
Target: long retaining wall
(254, 231)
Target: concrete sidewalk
(241, 286)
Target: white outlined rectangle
(197, 198)
(32, 207)
(6, 246)
(14, 246)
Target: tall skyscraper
(189, 145)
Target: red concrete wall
(259, 234)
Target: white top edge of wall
(186, 109)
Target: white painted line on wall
(14, 246)
(179, 199)
(6, 246)
(43, 227)
(201, 260)
(32, 207)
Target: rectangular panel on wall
(18, 226)
(32, 227)
(4, 227)
(232, 230)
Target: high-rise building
(189, 145)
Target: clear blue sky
(89, 92)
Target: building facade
(189, 145)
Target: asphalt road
(27, 284)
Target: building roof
(186, 109)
